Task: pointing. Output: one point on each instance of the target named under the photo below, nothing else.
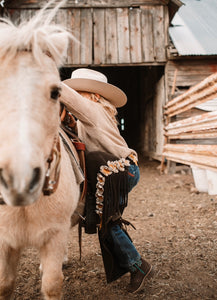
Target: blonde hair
(110, 108)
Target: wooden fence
(192, 130)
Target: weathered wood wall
(184, 73)
(194, 129)
(151, 120)
(153, 133)
(85, 3)
(109, 32)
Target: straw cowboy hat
(88, 80)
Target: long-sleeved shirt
(96, 127)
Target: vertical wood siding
(148, 42)
(99, 36)
(135, 35)
(119, 35)
(123, 37)
(86, 36)
(74, 22)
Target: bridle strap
(2, 200)
(53, 171)
(52, 176)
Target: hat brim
(110, 92)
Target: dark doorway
(139, 85)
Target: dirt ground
(175, 230)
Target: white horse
(30, 55)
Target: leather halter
(52, 176)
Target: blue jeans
(124, 250)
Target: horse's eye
(55, 93)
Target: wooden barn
(127, 40)
(190, 78)
(192, 54)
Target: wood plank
(68, 26)
(150, 127)
(115, 3)
(189, 72)
(166, 29)
(123, 40)
(99, 36)
(111, 36)
(86, 3)
(194, 121)
(159, 34)
(86, 36)
(201, 155)
(196, 141)
(206, 150)
(203, 121)
(15, 16)
(135, 35)
(159, 101)
(199, 133)
(202, 92)
(189, 103)
(188, 81)
(204, 135)
(198, 127)
(188, 65)
(147, 34)
(61, 19)
(206, 162)
(23, 4)
(74, 22)
(26, 15)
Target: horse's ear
(60, 42)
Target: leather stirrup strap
(80, 147)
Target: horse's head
(29, 106)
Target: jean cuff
(133, 268)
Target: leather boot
(138, 277)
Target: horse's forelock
(37, 35)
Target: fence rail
(195, 129)
(200, 93)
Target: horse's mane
(37, 35)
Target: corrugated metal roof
(194, 28)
